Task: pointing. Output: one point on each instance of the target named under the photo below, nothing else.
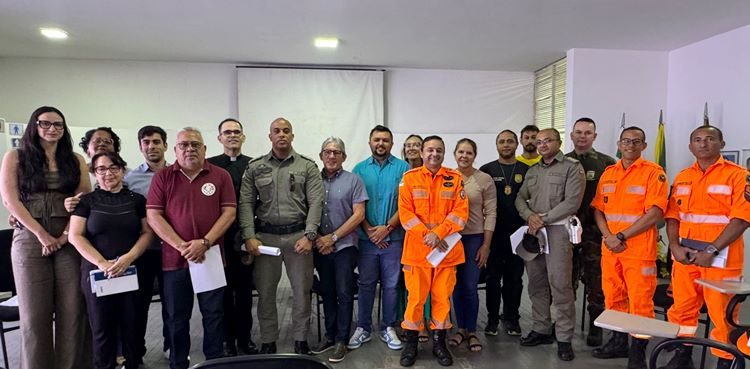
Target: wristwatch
(620, 236)
(334, 237)
(311, 235)
(389, 227)
(711, 249)
(204, 242)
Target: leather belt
(282, 229)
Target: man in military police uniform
(285, 191)
(550, 195)
(587, 255)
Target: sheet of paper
(103, 286)
(435, 257)
(208, 275)
(269, 250)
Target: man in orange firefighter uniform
(431, 205)
(630, 199)
(706, 216)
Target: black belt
(283, 229)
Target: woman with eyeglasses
(476, 237)
(411, 152)
(109, 229)
(36, 178)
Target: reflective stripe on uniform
(621, 218)
(719, 189)
(456, 220)
(411, 223)
(704, 218)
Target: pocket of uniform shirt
(721, 195)
(557, 186)
(297, 185)
(264, 185)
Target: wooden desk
(629, 323)
(728, 287)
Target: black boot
(409, 354)
(617, 346)
(439, 349)
(637, 353)
(682, 359)
(724, 364)
(594, 338)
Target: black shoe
(535, 339)
(594, 337)
(230, 349)
(617, 346)
(682, 359)
(565, 351)
(301, 347)
(267, 348)
(323, 347)
(491, 328)
(411, 346)
(512, 328)
(637, 353)
(248, 348)
(439, 349)
(723, 364)
(339, 352)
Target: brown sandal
(474, 344)
(457, 339)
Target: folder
(103, 286)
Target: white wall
(602, 84)
(456, 104)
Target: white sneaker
(359, 337)
(390, 337)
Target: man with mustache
(285, 191)
(528, 142)
(238, 294)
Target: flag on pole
(660, 157)
(660, 149)
(619, 133)
(705, 115)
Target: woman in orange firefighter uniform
(431, 205)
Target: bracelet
(389, 227)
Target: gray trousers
(267, 273)
(49, 293)
(550, 276)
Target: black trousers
(238, 296)
(149, 270)
(504, 276)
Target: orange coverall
(438, 204)
(704, 203)
(624, 196)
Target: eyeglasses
(413, 145)
(634, 142)
(545, 141)
(101, 170)
(102, 141)
(332, 152)
(230, 132)
(184, 145)
(45, 124)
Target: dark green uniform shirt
(593, 163)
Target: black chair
(7, 283)
(671, 343)
(277, 361)
(663, 301)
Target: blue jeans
(336, 271)
(465, 297)
(178, 301)
(378, 264)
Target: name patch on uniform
(448, 178)
(208, 189)
(608, 188)
(518, 178)
(590, 175)
(719, 189)
(448, 184)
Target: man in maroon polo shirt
(190, 205)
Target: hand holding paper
(436, 256)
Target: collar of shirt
(588, 154)
(440, 172)
(291, 156)
(206, 167)
(717, 163)
(638, 162)
(373, 161)
(559, 157)
(143, 168)
(334, 176)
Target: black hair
(585, 119)
(381, 128)
(32, 160)
(528, 128)
(432, 138)
(633, 128)
(84, 144)
(515, 136)
(721, 134)
(113, 156)
(230, 120)
(149, 130)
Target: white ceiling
(514, 35)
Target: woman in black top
(109, 229)
(34, 181)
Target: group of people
(425, 232)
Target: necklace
(508, 190)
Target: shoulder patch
(256, 159)
(413, 170)
(662, 178)
(572, 160)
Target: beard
(529, 148)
